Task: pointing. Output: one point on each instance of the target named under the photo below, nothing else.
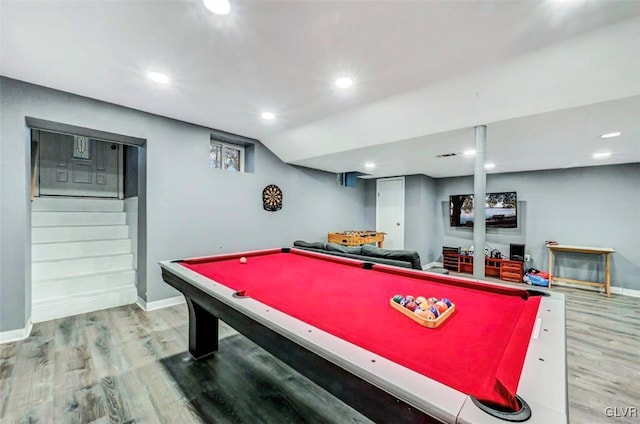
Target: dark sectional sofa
(366, 253)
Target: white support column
(479, 196)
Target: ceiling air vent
(446, 155)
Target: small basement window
(226, 156)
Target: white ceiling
(547, 77)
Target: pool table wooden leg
(203, 332)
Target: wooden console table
(356, 238)
(503, 269)
(606, 251)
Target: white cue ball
(243, 260)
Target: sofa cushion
(353, 250)
(308, 245)
(410, 256)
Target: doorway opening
(390, 211)
(87, 220)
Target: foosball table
(356, 237)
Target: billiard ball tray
(424, 322)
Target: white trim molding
(432, 265)
(84, 303)
(625, 292)
(614, 290)
(15, 335)
(159, 304)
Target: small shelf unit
(504, 269)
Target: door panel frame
(120, 170)
(401, 206)
(35, 132)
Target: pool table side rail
(225, 256)
(459, 281)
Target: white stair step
(66, 268)
(78, 249)
(63, 288)
(75, 204)
(49, 309)
(59, 219)
(62, 234)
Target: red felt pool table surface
(479, 350)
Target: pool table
(500, 356)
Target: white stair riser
(52, 270)
(51, 204)
(63, 234)
(55, 219)
(89, 302)
(56, 289)
(78, 249)
(81, 257)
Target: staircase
(81, 257)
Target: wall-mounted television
(501, 210)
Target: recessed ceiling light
(601, 155)
(344, 82)
(268, 116)
(219, 7)
(369, 165)
(489, 165)
(611, 135)
(469, 152)
(158, 77)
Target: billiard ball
(411, 306)
(434, 311)
(432, 300)
(397, 298)
(420, 299)
(243, 260)
(441, 306)
(421, 313)
(446, 301)
(404, 301)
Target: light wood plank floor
(119, 365)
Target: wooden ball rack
(424, 322)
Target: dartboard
(272, 198)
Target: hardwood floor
(125, 365)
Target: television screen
(501, 210)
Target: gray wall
(15, 200)
(130, 171)
(191, 209)
(419, 213)
(369, 203)
(594, 206)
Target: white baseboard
(432, 265)
(625, 292)
(15, 335)
(81, 304)
(614, 290)
(159, 304)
